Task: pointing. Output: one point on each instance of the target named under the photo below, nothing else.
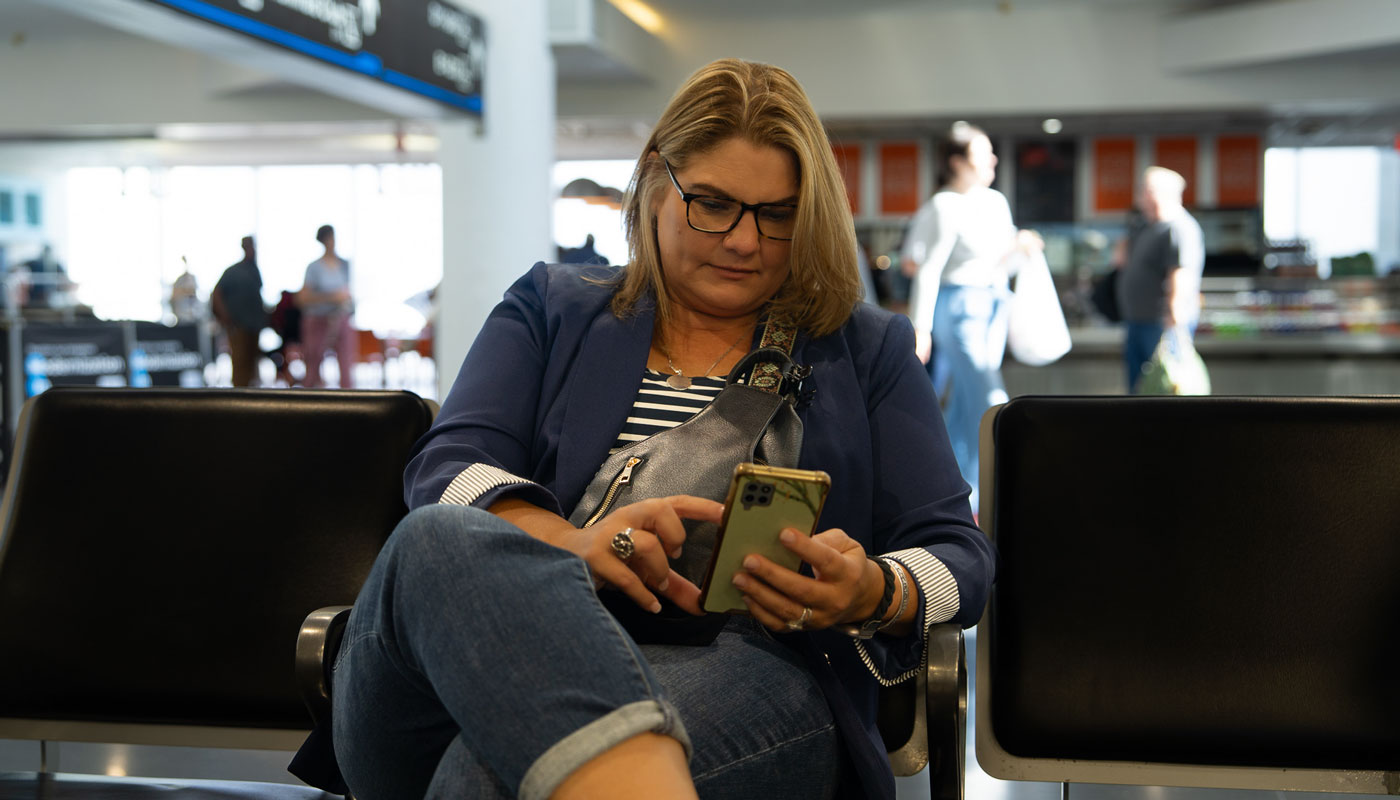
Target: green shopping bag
(1176, 368)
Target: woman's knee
(444, 532)
(465, 546)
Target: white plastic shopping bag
(1038, 334)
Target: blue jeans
(478, 662)
(1139, 342)
(969, 334)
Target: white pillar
(1388, 246)
(496, 188)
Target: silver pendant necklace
(680, 381)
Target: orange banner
(1237, 170)
(1113, 174)
(848, 158)
(1179, 155)
(899, 178)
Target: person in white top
(958, 251)
(326, 308)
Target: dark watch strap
(867, 629)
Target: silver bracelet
(903, 592)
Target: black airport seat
(160, 549)
(1193, 592)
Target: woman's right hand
(657, 533)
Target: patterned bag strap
(767, 375)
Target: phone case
(762, 501)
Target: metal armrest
(946, 708)
(927, 715)
(317, 643)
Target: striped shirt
(659, 407)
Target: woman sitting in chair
(482, 660)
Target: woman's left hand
(840, 590)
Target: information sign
(167, 355)
(430, 47)
(83, 354)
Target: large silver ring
(622, 544)
(801, 622)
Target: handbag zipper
(623, 478)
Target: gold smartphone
(762, 501)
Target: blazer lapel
(602, 388)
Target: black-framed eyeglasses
(722, 214)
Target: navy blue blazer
(553, 374)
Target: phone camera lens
(757, 493)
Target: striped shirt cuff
(475, 481)
(936, 585)
(937, 589)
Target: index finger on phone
(697, 508)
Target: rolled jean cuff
(586, 743)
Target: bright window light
(575, 219)
(1327, 196)
(133, 232)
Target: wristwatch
(867, 629)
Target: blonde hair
(765, 106)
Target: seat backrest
(1212, 583)
(160, 549)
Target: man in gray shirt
(1160, 287)
(237, 303)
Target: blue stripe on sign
(470, 102)
(364, 63)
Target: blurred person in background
(285, 320)
(959, 253)
(49, 286)
(237, 304)
(582, 255)
(326, 307)
(184, 296)
(1160, 286)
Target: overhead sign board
(429, 47)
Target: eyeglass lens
(718, 215)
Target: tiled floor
(186, 762)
